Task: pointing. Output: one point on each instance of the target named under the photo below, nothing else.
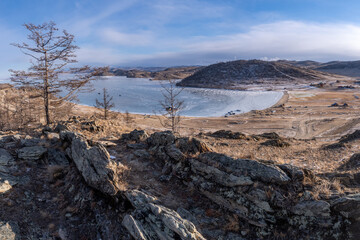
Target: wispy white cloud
(85, 25)
(111, 35)
(284, 39)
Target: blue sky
(188, 32)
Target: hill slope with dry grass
(230, 74)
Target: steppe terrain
(287, 172)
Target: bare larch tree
(51, 51)
(106, 103)
(171, 106)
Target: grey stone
(135, 135)
(294, 172)
(348, 206)
(218, 176)
(93, 162)
(5, 158)
(142, 153)
(173, 152)
(186, 214)
(137, 146)
(30, 142)
(312, 208)
(139, 198)
(57, 157)
(9, 231)
(192, 146)
(153, 221)
(251, 168)
(161, 139)
(134, 228)
(32, 153)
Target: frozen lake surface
(137, 95)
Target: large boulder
(165, 146)
(135, 135)
(192, 146)
(161, 139)
(348, 206)
(93, 161)
(150, 220)
(218, 176)
(243, 167)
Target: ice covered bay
(142, 96)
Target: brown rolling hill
(154, 73)
(231, 74)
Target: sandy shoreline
(283, 100)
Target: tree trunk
(46, 91)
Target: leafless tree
(106, 103)
(51, 51)
(127, 117)
(17, 110)
(171, 106)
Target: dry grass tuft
(322, 189)
(336, 185)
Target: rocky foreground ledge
(64, 186)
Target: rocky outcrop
(263, 195)
(93, 161)
(243, 167)
(150, 220)
(166, 146)
(267, 197)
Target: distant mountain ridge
(345, 68)
(156, 73)
(306, 69)
(231, 74)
